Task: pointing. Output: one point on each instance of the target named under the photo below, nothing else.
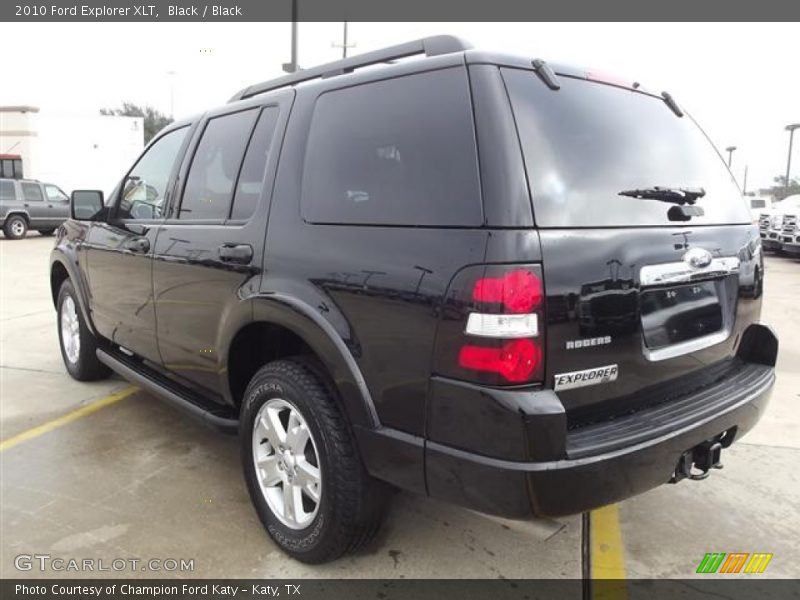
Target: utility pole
(790, 129)
(291, 67)
(344, 45)
(744, 185)
(730, 150)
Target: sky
(739, 81)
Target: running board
(150, 382)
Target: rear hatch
(637, 300)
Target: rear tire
(296, 404)
(15, 227)
(78, 345)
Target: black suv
(511, 285)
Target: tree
(154, 120)
(780, 190)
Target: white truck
(778, 226)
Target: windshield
(587, 142)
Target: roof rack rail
(429, 46)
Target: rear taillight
(519, 291)
(491, 328)
(515, 361)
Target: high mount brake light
(519, 291)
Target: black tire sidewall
(295, 541)
(8, 224)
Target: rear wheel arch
(19, 213)
(282, 331)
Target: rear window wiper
(666, 194)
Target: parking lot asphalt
(105, 471)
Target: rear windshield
(586, 142)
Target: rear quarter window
(31, 192)
(588, 141)
(7, 191)
(394, 152)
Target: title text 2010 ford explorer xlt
(516, 286)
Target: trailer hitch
(703, 458)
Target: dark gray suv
(29, 204)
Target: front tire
(302, 467)
(15, 227)
(78, 345)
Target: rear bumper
(514, 453)
(569, 486)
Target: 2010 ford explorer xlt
(519, 287)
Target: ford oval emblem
(697, 258)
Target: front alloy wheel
(287, 463)
(78, 345)
(70, 330)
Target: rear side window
(588, 141)
(31, 192)
(7, 190)
(215, 166)
(394, 152)
(251, 177)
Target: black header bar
(403, 10)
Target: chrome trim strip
(682, 272)
(687, 346)
(718, 267)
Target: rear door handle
(236, 253)
(138, 244)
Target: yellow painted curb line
(65, 419)
(607, 555)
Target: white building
(73, 152)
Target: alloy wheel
(287, 463)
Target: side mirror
(86, 205)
